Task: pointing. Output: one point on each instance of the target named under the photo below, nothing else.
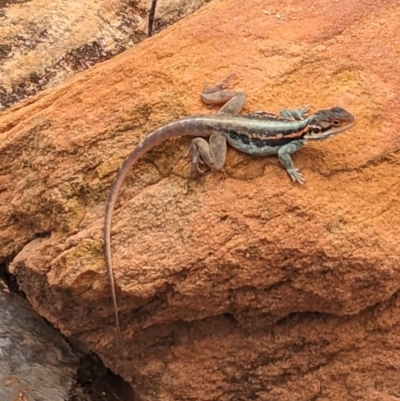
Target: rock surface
(43, 43)
(36, 364)
(241, 284)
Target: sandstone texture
(241, 284)
(43, 43)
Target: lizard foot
(296, 176)
(196, 160)
(195, 171)
(222, 85)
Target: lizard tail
(186, 126)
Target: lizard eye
(336, 123)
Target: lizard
(256, 133)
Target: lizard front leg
(296, 114)
(284, 153)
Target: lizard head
(327, 123)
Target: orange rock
(239, 285)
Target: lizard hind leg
(232, 101)
(212, 153)
(234, 105)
